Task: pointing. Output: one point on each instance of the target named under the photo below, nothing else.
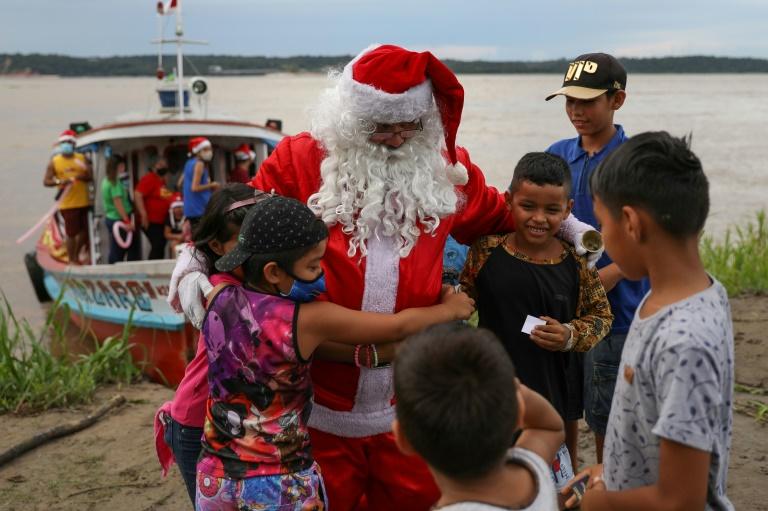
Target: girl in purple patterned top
(260, 339)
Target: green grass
(752, 408)
(748, 389)
(33, 379)
(740, 260)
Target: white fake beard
(375, 190)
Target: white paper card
(530, 322)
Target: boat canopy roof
(178, 128)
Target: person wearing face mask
(259, 340)
(197, 183)
(117, 210)
(153, 199)
(382, 169)
(71, 172)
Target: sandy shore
(112, 465)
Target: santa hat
(68, 136)
(243, 152)
(390, 84)
(176, 202)
(197, 144)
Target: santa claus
(381, 167)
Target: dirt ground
(112, 465)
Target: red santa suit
(354, 407)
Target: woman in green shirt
(118, 208)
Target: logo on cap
(576, 68)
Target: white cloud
(669, 47)
(723, 40)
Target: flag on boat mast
(166, 7)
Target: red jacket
(293, 170)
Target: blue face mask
(66, 148)
(304, 291)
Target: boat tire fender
(36, 275)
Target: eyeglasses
(405, 133)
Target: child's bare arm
(682, 484)
(610, 276)
(593, 312)
(172, 236)
(338, 352)
(543, 430)
(320, 322)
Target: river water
(504, 117)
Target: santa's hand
(572, 230)
(188, 261)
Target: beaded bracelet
(368, 356)
(371, 356)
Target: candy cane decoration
(46, 216)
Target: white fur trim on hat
(202, 145)
(373, 104)
(241, 156)
(457, 173)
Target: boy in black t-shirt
(530, 272)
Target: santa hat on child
(243, 152)
(176, 202)
(389, 84)
(197, 144)
(67, 136)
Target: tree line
(144, 65)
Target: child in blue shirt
(594, 87)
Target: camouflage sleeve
(476, 258)
(593, 312)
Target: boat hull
(103, 299)
(162, 355)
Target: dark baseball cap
(273, 225)
(591, 75)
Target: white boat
(102, 297)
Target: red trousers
(371, 474)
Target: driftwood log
(60, 430)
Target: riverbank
(144, 65)
(112, 465)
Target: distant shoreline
(15, 64)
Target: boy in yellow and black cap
(594, 87)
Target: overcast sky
(474, 29)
